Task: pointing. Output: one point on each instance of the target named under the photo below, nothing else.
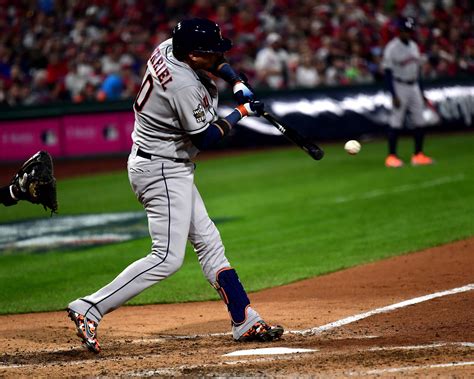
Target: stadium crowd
(70, 50)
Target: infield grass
(289, 218)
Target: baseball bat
(313, 150)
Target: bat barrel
(315, 152)
(311, 149)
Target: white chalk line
(316, 330)
(233, 362)
(398, 189)
(413, 368)
(358, 317)
(74, 363)
(421, 347)
(389, 308)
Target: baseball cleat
(86, 331)
(261, 331)
(393, 161)
(421, 159)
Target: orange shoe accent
(393, 161)
(262, 332)
(421, 159)
(86, 331)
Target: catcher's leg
(246, 322)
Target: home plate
(268, 351)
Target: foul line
(422, 347)
(412, 368)
(402, 188)
(351, 319)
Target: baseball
(352, 147)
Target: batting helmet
(198, 34)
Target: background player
(402, 66)
(175, 116)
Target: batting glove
(252, 108)
(242, 92)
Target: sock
(392, 140)
(418, 134)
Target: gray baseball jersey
(404, 60)
(171, 105)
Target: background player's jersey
(171, 104)
(403, 59)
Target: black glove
(34, 182)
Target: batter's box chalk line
(389, 308)
(344, 321)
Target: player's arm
(389, 81)
(388, 75)
(243, 93)
(7, 197)
(422, 88)
(221, 127)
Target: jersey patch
(199, 113)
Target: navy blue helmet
(198, 34)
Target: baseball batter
(402, 65)
(175, 117)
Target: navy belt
(405, 81)
(146, 155)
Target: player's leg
(165, 190)
(396, 119)
(205, 238)
(416, 108)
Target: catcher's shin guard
(232, 292)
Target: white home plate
(268, 351)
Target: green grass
(290, 218)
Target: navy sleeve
(215, 131)
(207, 138)
(389, 81)
(420, 83)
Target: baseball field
(369, 269)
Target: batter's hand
(243, 93)
(252, 108)
(396, 102)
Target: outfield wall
(79, 130)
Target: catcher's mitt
(34, 182)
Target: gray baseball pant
(176, 213)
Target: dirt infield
(432, 336)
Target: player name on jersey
(161, 71)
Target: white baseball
(352, 147)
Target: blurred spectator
(40, 91)
(306, 73)
(271, 63)
(75, 82)
(111, 88)
(80, 44)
